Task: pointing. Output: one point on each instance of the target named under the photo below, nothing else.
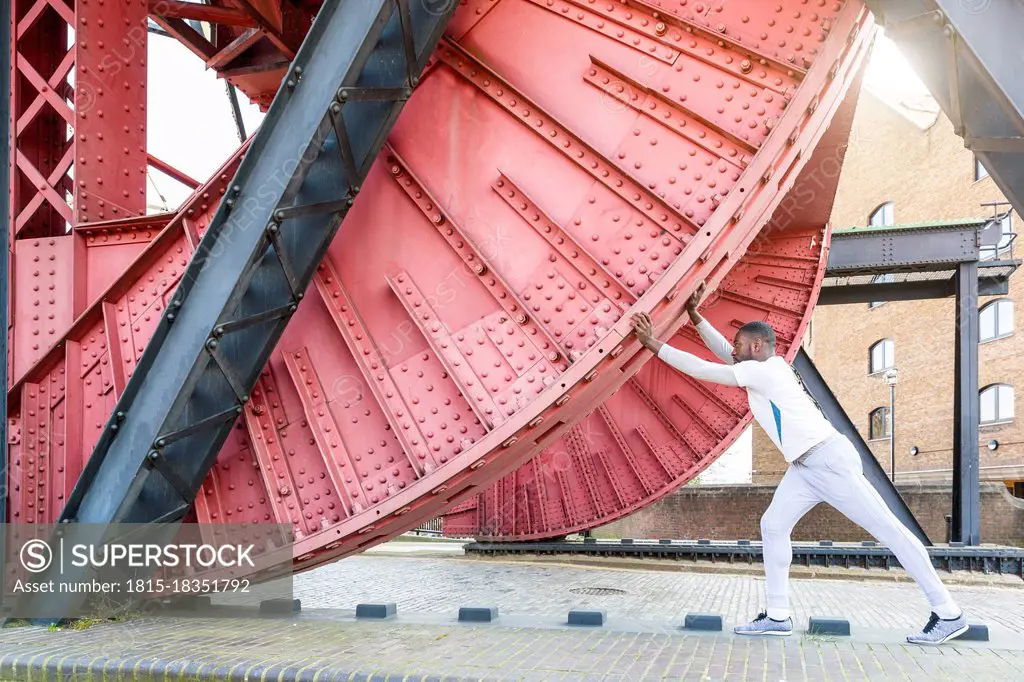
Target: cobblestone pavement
(641, 641)
(442, 584)
(324, 648)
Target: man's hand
(644, 328)
(694, 301)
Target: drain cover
(597, 591)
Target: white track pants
(833, 474)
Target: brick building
(906, 165)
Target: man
(823, 467)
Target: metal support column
(815, 385)
(966, 477)
(892, 432)
(5, 224)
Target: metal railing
(1001, 210)
(433, 527)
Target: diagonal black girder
(817, 387)
(352, 75)
(968, 55)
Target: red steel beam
(272, 27)
(173, 9)
(170, 170)
(110, 110)
(187, 36)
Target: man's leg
(838, 477)
(793, 498)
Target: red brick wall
(733, 512)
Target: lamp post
(891, 376)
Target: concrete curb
(37, 666)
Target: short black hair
(760, 330)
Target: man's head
(754, 341)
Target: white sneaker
(763, 625)
(938, 631)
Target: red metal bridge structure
(365, 320)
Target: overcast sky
(189, 123)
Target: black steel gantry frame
(930, 261)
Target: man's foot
(938, 631)
(763, 625)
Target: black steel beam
(993, 286)
(199, 367)
(925, 248)
(236, 111)
(907, 291)
(5, 235)
(815, 385)
(966, 525)
(968, 55)
(156, 30)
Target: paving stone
(443, 585)
(339, 647)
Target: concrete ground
(641, 640)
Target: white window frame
(998, 309)
(885, 278)
(1003, 405)
(887, 363)
(883, 215)
(888, 423)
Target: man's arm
(687, 363)
(690, 364)
(715, 342)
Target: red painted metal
(542, 184)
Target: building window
(996, 404)
(881, 424)
(980, 172)
(990, 252)
(881, 216)
(996, 320)
(882, 356)
(887, 278)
